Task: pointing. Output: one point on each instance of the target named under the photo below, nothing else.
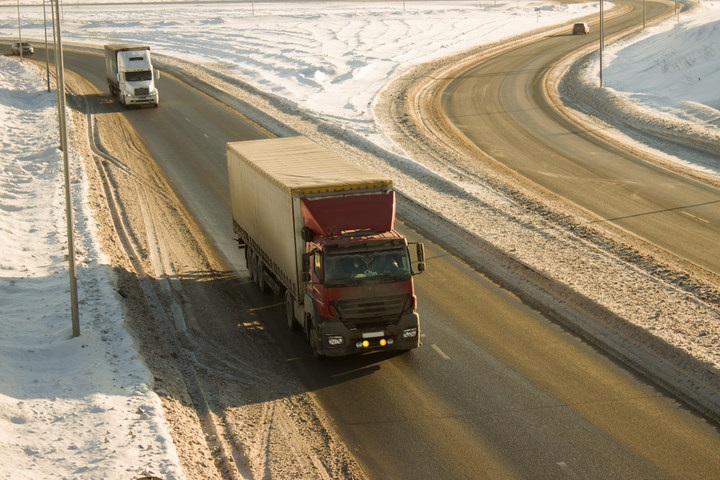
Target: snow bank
(69, 407)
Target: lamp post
(60, 72)
(19, 31)
(602, 39)
(643, 14)
(47, 52)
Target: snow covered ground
(69, 407)
(82, 408)
(676, 64)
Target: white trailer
(268, 179)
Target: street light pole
(60, 71)
(19, 31)
(47, 52)
(643, 14)
(602, 39)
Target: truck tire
(253, 266)
(313, 340)
(248, 262)
(261, 273)
(290, 312)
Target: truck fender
(311, 326)
(309, 314)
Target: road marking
(695, 217)
(440, 352)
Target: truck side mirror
(418, 262)
(420, 252)
(157, 75)
(306, 259)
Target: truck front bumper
(335, 339)
(153, 100)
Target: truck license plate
(373, 334)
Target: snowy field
(83, 408)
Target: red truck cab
(359, 277)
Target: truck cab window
(138, 76)
(377, 266)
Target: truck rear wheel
(251, 260)
(261, 273)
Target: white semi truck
(130, 74)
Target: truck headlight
(410, 333)
(335, 340)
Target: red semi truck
(320, 230)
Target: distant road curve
(488, 115)
(500, 105)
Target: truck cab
(360, 294)
(136, 79)
(359, 281)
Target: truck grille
(371, 312)
(142, 91)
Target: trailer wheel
(261, 272)
(252, 265)
(290, 312)
(248, 261)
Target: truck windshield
(138, 76)
(388, 265)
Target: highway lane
(497, 390)
(185, 145)
(500, 106)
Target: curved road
(497, 390)
(500, 106)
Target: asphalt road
(500, 106)
(496, 391)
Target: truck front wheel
(290, 312)
(313, 340)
